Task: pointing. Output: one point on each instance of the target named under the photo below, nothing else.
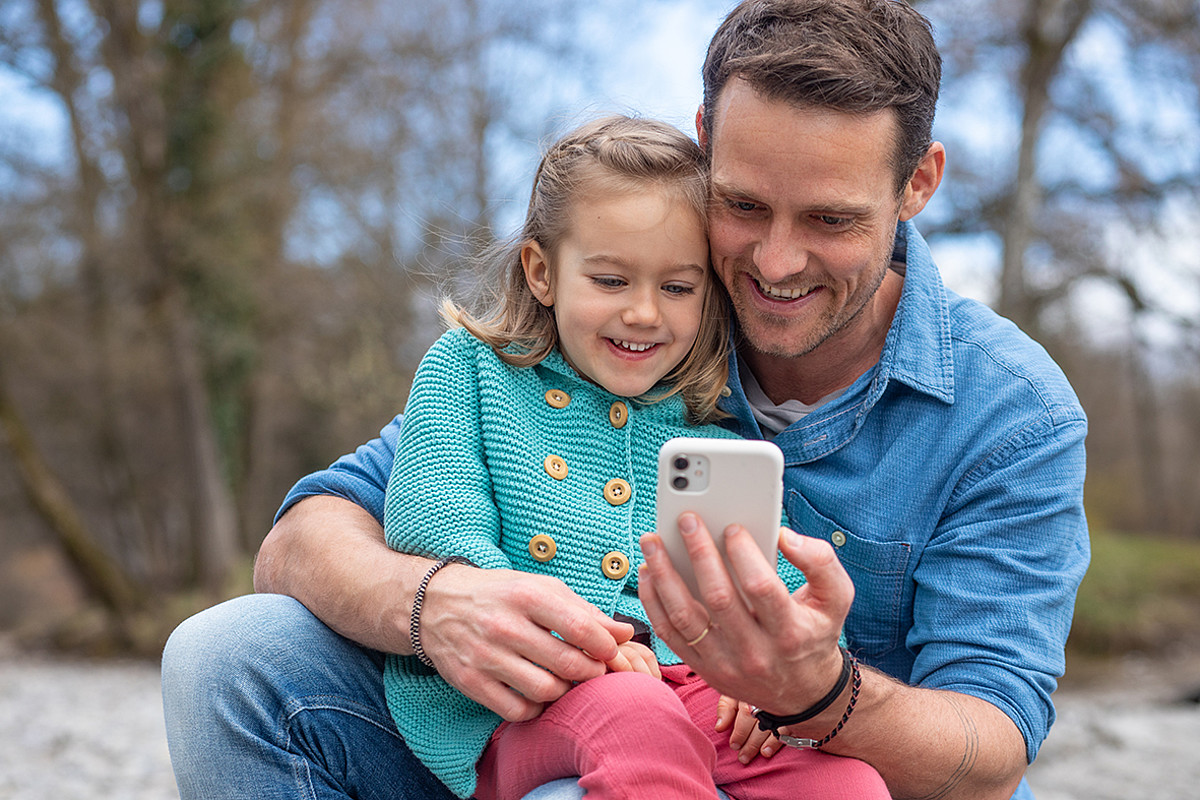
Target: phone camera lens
(681, 463)
(679, 481)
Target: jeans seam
(301, 769)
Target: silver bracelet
(414, 622)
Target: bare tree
(1099, 99)
(224, 280)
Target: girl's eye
(608, 282)
(679, 289)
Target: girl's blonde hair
(615, 154)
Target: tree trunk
(1048, 30)
(99, 574)
(159, 225)
(117, 472)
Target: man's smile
(780, 293)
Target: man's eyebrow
(718, 187)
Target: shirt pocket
(878, 570)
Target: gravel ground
(94, 730)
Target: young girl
(530, 442)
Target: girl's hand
(745, 736)
(634, 657)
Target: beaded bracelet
(414, 622)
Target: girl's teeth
(634, 346)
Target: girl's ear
(537, 272)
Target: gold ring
(703, 633)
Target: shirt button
(542, 547)
(555, 467)
(617, 491)
(618, 414)
(838, 538)
(615, 565)
(558, 398)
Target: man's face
(802, 221)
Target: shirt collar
(918, 351)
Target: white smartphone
(724, 481)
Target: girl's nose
(642, 311)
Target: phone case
(724, 481)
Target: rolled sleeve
(996, 585)
(360, 477)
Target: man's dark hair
(854, 56)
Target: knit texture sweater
(491, 456)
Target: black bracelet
(414, 621)
(773, 722)
(817, 744)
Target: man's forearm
(927, 743)
(330, 554)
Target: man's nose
(781, 253)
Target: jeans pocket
(878, 570)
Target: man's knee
(234, 650)
(227, 633)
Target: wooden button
(615, 565)
(618, 414)
(617, 491)
(555, 467)
(558, 398)
(542, 547)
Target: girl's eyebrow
(605, 258)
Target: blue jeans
(261, 699)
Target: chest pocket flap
(878, 570)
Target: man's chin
(778, 340)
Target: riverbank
(77, 730)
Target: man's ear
(924, 181)
(537, 272)
(701, 134)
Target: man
(934, 467)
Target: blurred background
(224, 225)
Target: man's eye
(744, 205)
(831, 220)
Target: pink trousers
(628, 735)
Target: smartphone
(724, 481)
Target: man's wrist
(773, 722)
(804, 743)
(414, 624)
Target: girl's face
(627, 288)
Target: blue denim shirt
(949, 479)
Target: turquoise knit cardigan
(471, 478)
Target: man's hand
(635, 657)
(489, 634)
(779, 651)
(488, 631)
(744, 735)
